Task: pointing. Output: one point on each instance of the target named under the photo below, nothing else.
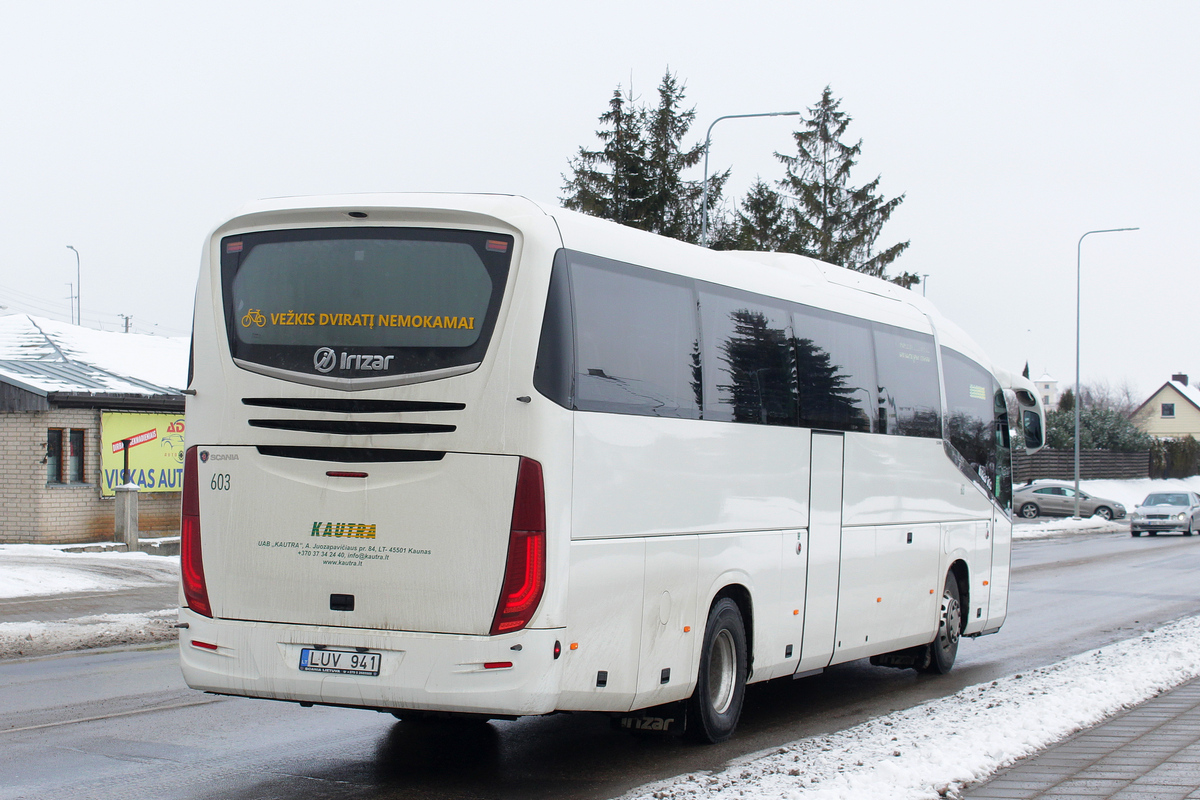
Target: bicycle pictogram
(253, 317)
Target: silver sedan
(1049, 499)
(1177, 512)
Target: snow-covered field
(928, 751)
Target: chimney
(1180, 378)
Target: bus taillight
(525, 571)
(195, 591)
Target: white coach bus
(467, 455)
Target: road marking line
(113, 716)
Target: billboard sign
(155, 451)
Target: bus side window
(835, 368)
(909, 391)
(555, 365)
(635, 339)
(747, 355)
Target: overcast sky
(130, 130)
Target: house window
(1168, 410)
(64, 456)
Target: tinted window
(976, 425)
(909, 393)
(554, 370)
(380, 300)
(835, 370)
(749, 359)
(636, 344)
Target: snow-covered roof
(1192, 393)
(43, 355)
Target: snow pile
(935, 749)
(36, 569)
(1044, 527)
(84, 633)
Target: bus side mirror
(1031, 424)
(1021, 396)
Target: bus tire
(944, 648)
(716, 704)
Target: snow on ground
(36, 569)
(935, 749)
(22, 639)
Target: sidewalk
(1151, 752)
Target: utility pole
(126, 317)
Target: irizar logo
(325, 359)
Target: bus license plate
(342, 662)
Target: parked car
(1045, 499)
(1166, 511)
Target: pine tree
(612, 182)
(636, 177)
(673, 204)
(835, 221)
(763, 221)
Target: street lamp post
(1078, 306)
(707, 143)
(78, 301)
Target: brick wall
(34, 511)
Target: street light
(78, 301)
(1078, 395)
(707, 143)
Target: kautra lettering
(352, 530)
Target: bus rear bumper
(510, 675)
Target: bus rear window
(355, 304)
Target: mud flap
(669, 719)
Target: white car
(1176, 512)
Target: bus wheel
(715, 706)
(944, 648)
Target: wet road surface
(122, 724)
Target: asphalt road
(122, 724)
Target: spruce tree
(611, 182)
(673, 203)
(636, 176)
(833, 220)
(763, 222)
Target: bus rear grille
(349, 428)
(346, 406)
(350, 455)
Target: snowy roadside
(936, 749)
(25, 639)
(30, 571)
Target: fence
(1093, 465)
